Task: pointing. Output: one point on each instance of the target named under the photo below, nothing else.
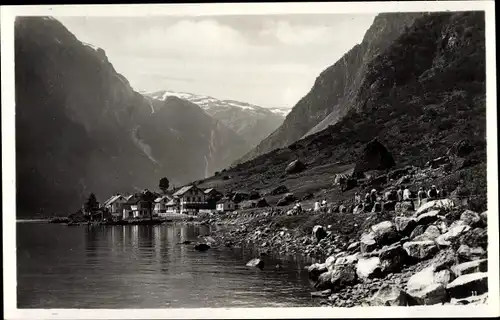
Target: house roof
(224, 200)
(134, 199)
(112, 200)
(183, 190)
(159, 199)
(171, 203)
(207, 191)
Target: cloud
(187, 38)
(290, 34)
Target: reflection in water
(146, 267)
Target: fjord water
(63, 266)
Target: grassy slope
(419, 98)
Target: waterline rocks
(255, 263)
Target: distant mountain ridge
(81, 127)
(330, 98)
(253, 123)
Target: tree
(149, 197)
(91, 204)
(164, 184)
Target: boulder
(431, 233)
(254, 195)
(470, 267)
(261, 203)
(441, 204)
(330, 262)
(420, 250)
(475, 238)
(343, 276)
(295, 166)
(390, 295)
(350, 259)
(353, 246)
(470, 218)
(374, 157)
(201, 247)
(427, 217)
(468, 284)
(418, 230)
(405, 225)
(315, 270)
(484, 218)
(428, 287)
(255, 263)
(453, 232)
(384, 233)
(279, 190)
(392, 258)
(466, 253)
(319, 232)
(444, 259)
(367, 242)
(403, 207)
(368, 268)
(324, 281)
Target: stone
(417, 231)
(431, 233)
(427, 217)
(420, 250)
(470, 218)
(279, 190)
(343, 276)
(441, 204)
(319, 232)
(390, 295)
(368, 268)
(470, 267)
(295, 166)
(475, 238)
(430, 295)
(330, 262)
(444, 259)
(367, 242)
(404, 225)
(468, 284)
(453, 232)
(350, 259)
(466, 253)
(255, 263)
(484, 218)
(353, 246)
(324, 281)
(321, 294)
(384, 233)
(201, 247)
(392, 258)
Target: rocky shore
(434, 255)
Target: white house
(115, 205)
(190, 199)
(160, 205)
(225, 204)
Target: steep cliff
(81, 128)
(329, 98)
(419, 98)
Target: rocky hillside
(81, 128)
(251, 122)
(422, 96)
(330, 98)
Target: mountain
(251, 122)
(81, 128)
(331, 96)
(421, 97)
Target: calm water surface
(63, 266)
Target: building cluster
(189, 200)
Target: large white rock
(389, 295)
(445, 204)
(420, 250)
(428, 286)
(452, 233)
(368, 268)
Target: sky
(268, 60)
